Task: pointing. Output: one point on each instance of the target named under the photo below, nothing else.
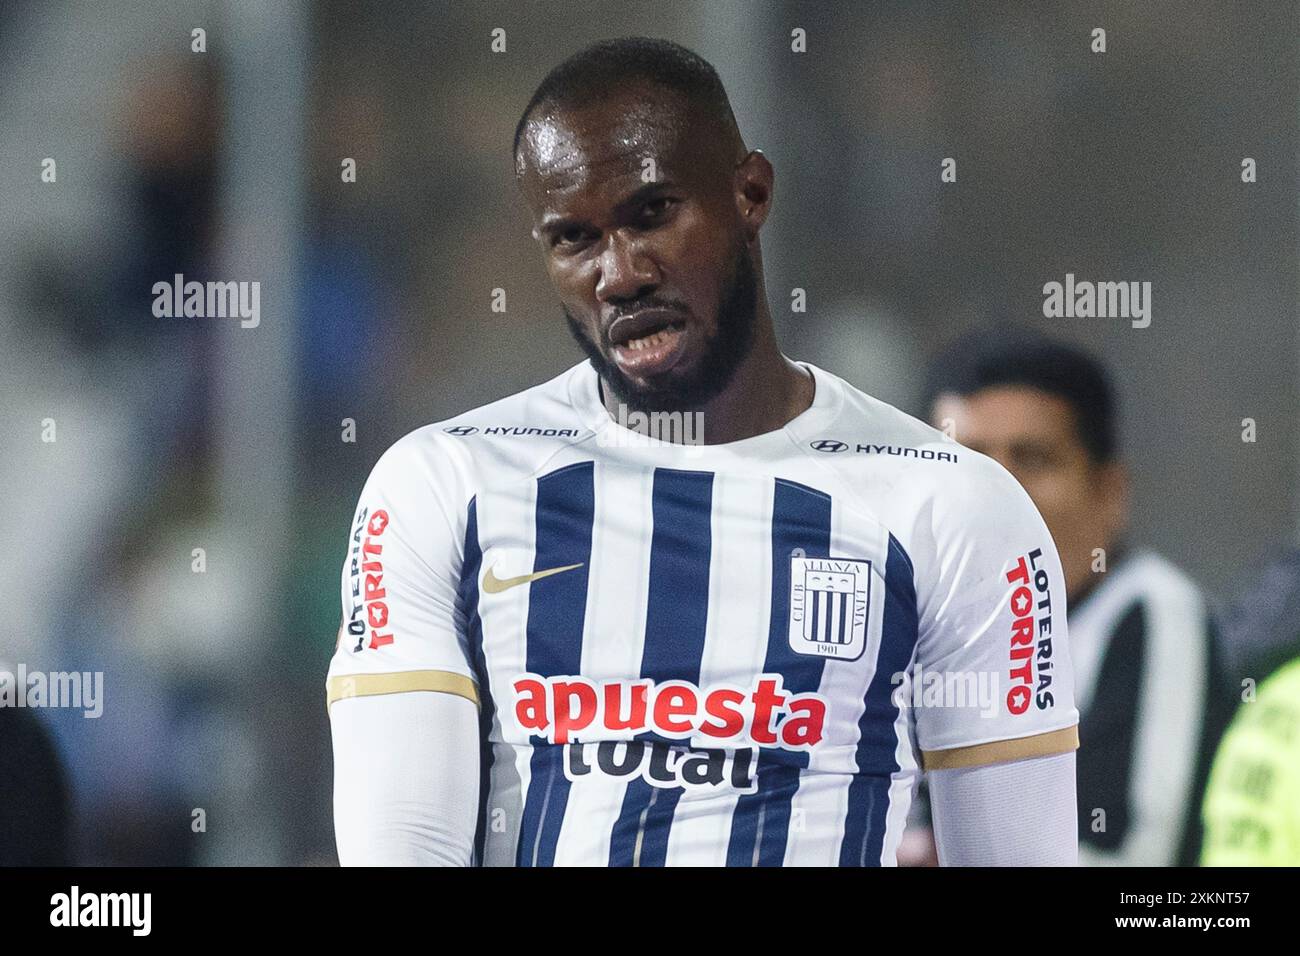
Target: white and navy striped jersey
(733, 654)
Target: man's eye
(569, 236)
(657, 207)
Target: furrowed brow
(553, 224)
(648, 191)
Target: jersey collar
(828, 396)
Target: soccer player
(1147, 665)
(569, 641)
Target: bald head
(650, 94)
(645, 132)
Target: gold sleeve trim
(999, 751)
(367, 685)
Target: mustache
(721, 351)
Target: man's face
(1034, 435)
(654, 277)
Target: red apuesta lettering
(563, 709)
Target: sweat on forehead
(626, 128)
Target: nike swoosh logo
(495, 585)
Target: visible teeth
(648, 341)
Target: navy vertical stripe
(557, 606)
(676, 617)
(864, 825)
(467, 595)
(801, 519)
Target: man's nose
(626, 272)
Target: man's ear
(753, 179)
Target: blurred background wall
(183, 434)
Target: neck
(766, 391)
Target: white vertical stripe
(613, 641)
(735, 646)
(1168, 718)
(902, 786)
(507, 523)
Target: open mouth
(649, 342)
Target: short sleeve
(992, 679)
(402, 629)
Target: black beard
(723, 351)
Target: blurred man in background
(1147, 673)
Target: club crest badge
(829, 598)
